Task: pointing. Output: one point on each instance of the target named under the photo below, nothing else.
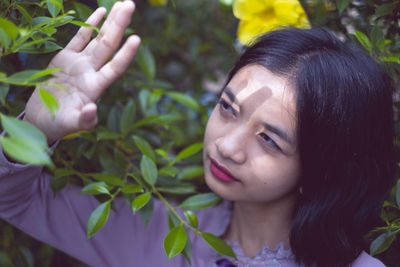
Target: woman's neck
(254, 225)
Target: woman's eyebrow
(280, 133)
(230, 94)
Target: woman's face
(250, 146)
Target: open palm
(86, 73)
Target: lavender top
(27, 202)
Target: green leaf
(107, 178)
(169, 171)
(47, 48)
(58, 183)
(132, 188)
(149, 170)
(162, 153)
(146, 62)
(59, 172)
(190, 172)
(5, 40)
(54, 7)
(50, 47)
(127, 117)
(192, 218)
(96, 189)
(154, 97)
(140, 201)
(390, 59)
(25, 151)
(138, 179)
(35, 42)
(342, 5)
(28, 77)
(164, 119)
(83, 10)
(26, 255)
(43, 73)
(377, 37)
(98, 218)
(49, 31)
(184, 99)
(382, 243)
(200, 201)
(64, 20)
(178, 188)
(41, 21)
(147, 211)
(25, 13)
(83, 24)
(173, 221)
(189, 151)
(49, 101)
(398, 193)
(24, 130)
(5, 259)
(4, 88)
(187, 251)
(107, 135)
(144, 147)
(113, 119)
(143, 100)
(385, 9)
(9, 28)
(218, 245)
(20, 78)
(363, 39)
(60, 179)
(227, 3)
(106, 3)
(175, 241)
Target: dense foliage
(152, 119)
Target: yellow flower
(259, 16)
(158, 2)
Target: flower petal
(249, 30)
(288, 12)
(245, 9)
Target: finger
(88, 116)
(117, 66)
(79, 119)
(80, 40)
(109, 38)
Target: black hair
(345, 139)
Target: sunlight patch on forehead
(262, 93)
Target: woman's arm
(27, 202)
(26, 199)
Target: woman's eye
(269, 141)
(225, 107)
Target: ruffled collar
(265, 257)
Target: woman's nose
(232, 146)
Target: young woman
(300, 143)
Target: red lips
(221, 173)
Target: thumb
(88, 116)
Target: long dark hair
(345, 137)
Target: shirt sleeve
(365, 260)
(27, 202)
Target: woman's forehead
(253, 85)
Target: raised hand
(86, 73)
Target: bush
(153, 117)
